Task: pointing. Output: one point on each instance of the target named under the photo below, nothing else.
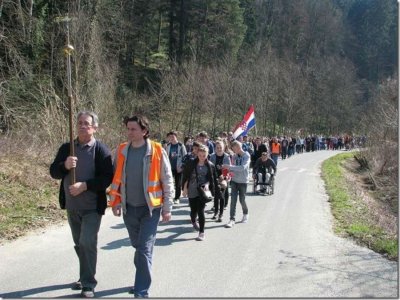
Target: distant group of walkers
(146, 178)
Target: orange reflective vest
(276, 148)
(154, 188)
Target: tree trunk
(171, 41)
(182, 30)
(159, 30)
(21, 17)
(30, 3)
(1, 7)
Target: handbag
(223, 183)
(205, 194)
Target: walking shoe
(230, 224)
(214, 217)
(219, 219)
(196, 226)
(176, 201)
(201, 237)
(132, 291)
(245, 218)
(77, 285)
(87, 292)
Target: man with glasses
(85, 200)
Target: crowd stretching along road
(146, 178)
(232, 158)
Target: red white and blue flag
(248, 122)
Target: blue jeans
(275, 158)
(142, 229)
(238, 188)
(85, 225)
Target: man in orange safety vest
(142, 189)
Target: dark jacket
(211, 175)
(257, 152)
(98, 184)
(264, 166)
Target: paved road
(287, 249)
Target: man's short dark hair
(196, 144)
(141, 120)
(172, 132)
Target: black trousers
(219, 203)
(177, 181)
(226, 196)
(197, 209)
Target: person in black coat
(199, 172)
(259, 148)
(85, 200)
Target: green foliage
(298, 62)
(374, 25)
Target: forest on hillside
(191, 65)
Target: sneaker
(132, 291)
(87, 292)
(196, 226)
(245, 218)
(219, 219)
(214, 217)
(77, 285)
(176, 201)
(201, 237)
(230, 224)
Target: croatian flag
(248, 122)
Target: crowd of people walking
(145, 179)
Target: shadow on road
(125, 242)
(176, 228)
(99, 294)
(118, 226)
(38, 290)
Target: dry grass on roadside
(28, 195)
(358, 212)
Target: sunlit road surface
(287, 249)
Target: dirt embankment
(28, 196)
(380, 206)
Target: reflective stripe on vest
(154, 189)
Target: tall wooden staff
(68, 50)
